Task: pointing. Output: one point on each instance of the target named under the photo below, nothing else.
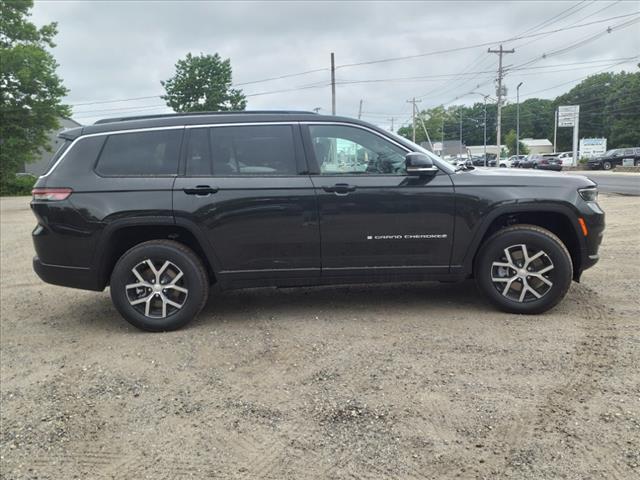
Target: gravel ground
(404, 381)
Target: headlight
(589, 194)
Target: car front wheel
(524, 269)
(159, 285)
(606, 165)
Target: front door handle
(340, 189)
(200, 190)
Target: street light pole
(518, 120)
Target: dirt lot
(404, 381)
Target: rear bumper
(553, 167)
(74, 277)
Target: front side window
(340, 149)
(153, 153)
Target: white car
(566, 158)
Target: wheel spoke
(509, 259)
(523, 293)
(173, 304)
(175, 279)
(525, 254)
(162, 269)
(544, 270)
(164, 306)
(140, 300)
(148, 305)
(535, 257)
(177, 288)
(502, 264)
(134, 270)
(508, 286)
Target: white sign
(592, 147)
(568, 115)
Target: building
(478, 150)
(452, 148)
(37, 167)
(537, 145)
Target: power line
(484, 44)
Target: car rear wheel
(606, 165)
(524, 269)
(159, 285)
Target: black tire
(194, 279)
(606, 165)
(637, 163)
(536, 239)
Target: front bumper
(74, 277)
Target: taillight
(51, 194)
(544, 162)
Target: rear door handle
(340, 189)
(200, 190)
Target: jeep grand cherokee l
(159, 208)
(615, 158)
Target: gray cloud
(113, 50)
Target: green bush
(17, 185)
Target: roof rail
(189, 114)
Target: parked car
(514, 160)
(504, 163)
(548, 161)
(479, 161)
(566, 158)
(529, 160)
(615, 158)
(158, 208)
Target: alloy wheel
(157, 288)
(521, 274)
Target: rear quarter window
(140, 154)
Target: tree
(510, 143)
(203, 84)
(31, 91)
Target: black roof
(188, 114)
(203, 118)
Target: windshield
(609, 153)
(437, 160)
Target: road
(609, 182)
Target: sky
(113, 52)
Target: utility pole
(460, 133)
(555, 129)
(426, 133)
(333, 84)
(392, 119)
(518, 120)
(360, 110)
(442, 149)
(414, 101)
(500, 52)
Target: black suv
(159, 208)
(615, 157)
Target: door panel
(386, 222)
(254, 223)
(373, 216)
(244, 188)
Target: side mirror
(419, 164)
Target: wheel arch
(120, 236)
(558, 219)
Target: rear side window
(64, 145)
(243, 150)
(140, 154)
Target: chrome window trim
(213, 125)
(114, 132)
(362, 127)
